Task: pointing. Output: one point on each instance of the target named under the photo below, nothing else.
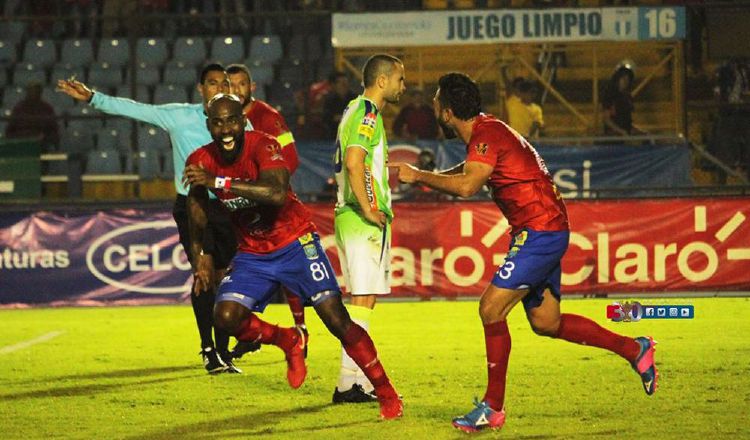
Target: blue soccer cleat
(644, 364)
(479, 418)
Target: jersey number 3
(506, 270)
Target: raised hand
(75, 89)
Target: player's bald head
(376, 65)
(224, 101)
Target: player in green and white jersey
(363, 209)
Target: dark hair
(214, 67)
(336, 75)
(526, 86)
(460, 93)
(623, 71)
(237, 68)
(378, 65)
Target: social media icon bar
(634, 311)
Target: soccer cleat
(644, 364)
(479, 418)
(303, 328)
(243, 347)
(295, 361)
(355, 394)
(391, 407)
(231, 368)
(212, 362)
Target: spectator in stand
(335, 102)
(618, 103)
(734, 82)
(316, 94)
(33, 117)
(416, 120)
(524, 115)
(728, 141)
(418, 191)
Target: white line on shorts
(38, 340)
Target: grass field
(134, 373)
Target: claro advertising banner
(439, 249)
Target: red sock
(255, 329)
(295, 305)
(497, 342)
(581, 330)
(360, 348)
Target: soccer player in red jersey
(267, 119)
(496, 155)
(278, 244)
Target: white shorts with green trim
(364, 254)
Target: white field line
(25, 344)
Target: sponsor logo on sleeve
(367, 127)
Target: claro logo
(121, 255)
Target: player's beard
(393, 99)
(230, 155)
(448, 132)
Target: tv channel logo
(635, 311)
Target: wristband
(224, 183)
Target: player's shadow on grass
(82, 390)
(117, 374)
(247, 425)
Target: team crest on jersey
(275, 151)
(367, 127)
(305, 239)
(481, 149)
(311, 252)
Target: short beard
(231, 156)
(448, 132)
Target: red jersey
(260, 229)
(521, 185)
(266, 119)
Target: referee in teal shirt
(186, 125)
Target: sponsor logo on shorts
(311, 252)
(520, 238)
(305, 239)
(238, 295)
(513, 251)
(321, 295)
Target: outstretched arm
(464, 184)
(457, 169)
(158, 115)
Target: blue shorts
(301, 266)
(533, 263)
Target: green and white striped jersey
(362, 127)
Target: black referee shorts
(218, 238)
